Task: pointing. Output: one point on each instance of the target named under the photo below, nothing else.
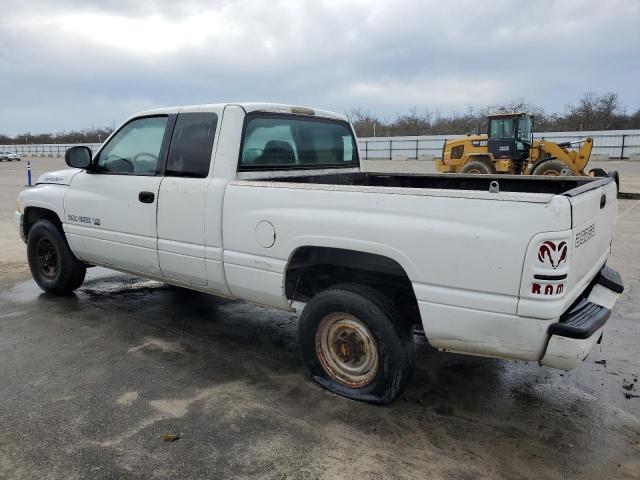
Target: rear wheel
(616, 177)
(355, 344)
(53, 265)
(482, 167)
(552, 168)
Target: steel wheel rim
(551, 173)
(347, 350)
(474, 171)
(47, 258)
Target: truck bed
(507, 183)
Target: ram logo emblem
(553, 254)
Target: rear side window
(281, 142)
(191, 144)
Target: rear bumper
(580, 327)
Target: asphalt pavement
(90, 384)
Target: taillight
(547, 266)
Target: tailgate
(593, 218)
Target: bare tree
(591, 112)
(92, 135)
(364, 122)
(595, 112)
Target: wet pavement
(91, 382)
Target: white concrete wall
(607, 143)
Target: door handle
(146, 197)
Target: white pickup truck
(268, 203)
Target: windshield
(285, 141)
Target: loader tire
(355, 344)
(551, 168)
(481, 167)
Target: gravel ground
(91, 382)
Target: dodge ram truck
(268, 203)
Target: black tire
(616, 177)
(53, 265)
(552, 168)
(482, 167)
(392, 342)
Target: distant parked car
(9, 157)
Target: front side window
(135, 149)
(525, 128)
(281, 142)
(191, 144)
(502, 128)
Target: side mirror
(78, 157)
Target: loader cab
(510, 135)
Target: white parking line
(627, 210)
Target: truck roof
(509, 114)
(247, 107)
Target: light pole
(374, 129)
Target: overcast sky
(76, 63)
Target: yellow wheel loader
(509, 148)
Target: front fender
(48, 197)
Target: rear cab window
(280, 142)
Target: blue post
(28, 173)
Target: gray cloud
(78, 63)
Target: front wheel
(552, 168)
(53, 265)
(478, 167)
(355, 344)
